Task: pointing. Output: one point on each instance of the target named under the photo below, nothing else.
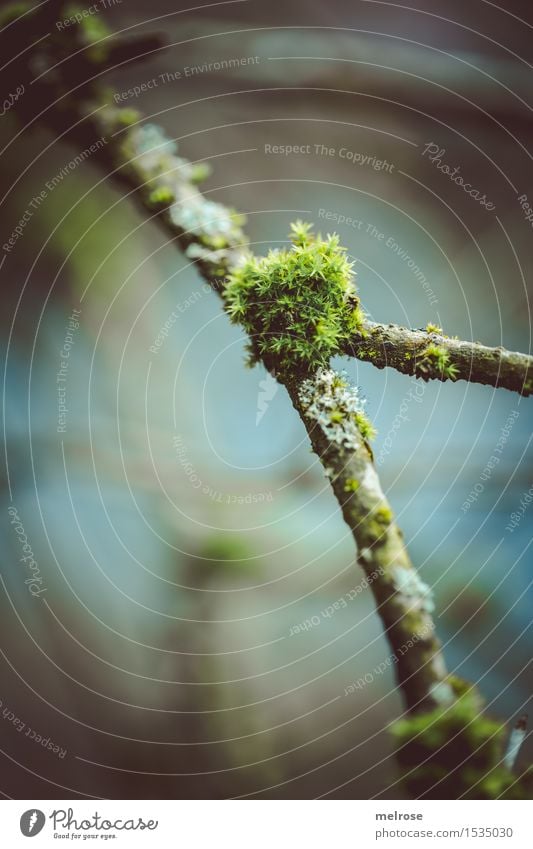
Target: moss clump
(298, 305)
(434, 328)
(435, 362)
(454, 751)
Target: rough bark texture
(402, 349)
(145, 160)
(403, 601)
(140, 156)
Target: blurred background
(183, 531)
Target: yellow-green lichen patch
(127, 117)
(94, 33)
(376, 524)
(160, 197)
(331, 403)
(351, 485)
(12, 12)
(200, 172)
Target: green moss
(355, 320)
(12, 12)
(410, 622)
(238, 219)
(200, 172)
(161, 197)
(351, 485)
(339, 382)
(376, 525)
(220, 552)
(461, 687)
(435, 362)
(366, 428)
(127, 117)
(498, 784)
(384, 515)
(214, 243)
(93, 32)
(98, 49)
(527, 388)
(433, 328)
(454, 751)
(298, 304)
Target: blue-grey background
(162, 659)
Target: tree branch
(442, 708)
(403, 601)
(388, 345)
(142, 157)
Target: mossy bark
(388, 345)
(68, 101)
(402, 600)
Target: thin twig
(144, 158)
(403, 600)
(388, 345)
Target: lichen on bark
(300, 308)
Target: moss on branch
(300, 308)
(455, 751)
(403, 600)
(430, 355)
(298, 305)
